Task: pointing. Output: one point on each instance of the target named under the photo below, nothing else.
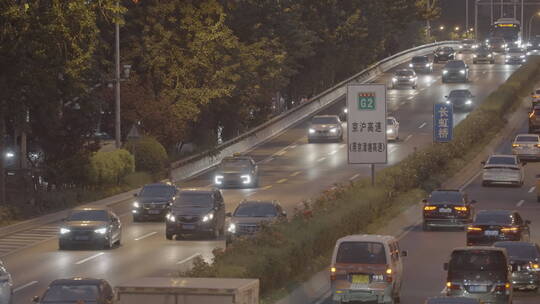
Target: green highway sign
(366, 101)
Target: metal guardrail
(196, 164)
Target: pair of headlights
(98, 231)
(246, 179)
(332, 130)
(208, 217)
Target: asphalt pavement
(291, 171)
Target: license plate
(360, 279)
(188, 226)
(478, 288)
(154, 211)
(445, 210)
(81, 238)
(491, 232)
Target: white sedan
(504, 170)
(392, 128)
(526, 146)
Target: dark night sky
(453, 14)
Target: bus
(509, 29)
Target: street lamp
(456, 28)
(441, 28)
(530, 23)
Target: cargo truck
(168, 290)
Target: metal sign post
(443, 122)
(366, 125)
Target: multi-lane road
(291, 171)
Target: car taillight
(537, 145)
(503, 288)
(429, 208)
(460, 208)
(332, 273)
(474, 229)
(515, 145)
(510, 229)
(453, 286)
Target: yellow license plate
(360, 279)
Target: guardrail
(196, 164)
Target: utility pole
(491, 12)
(522, 21)
(476, 20)
(502, 9)
(467, 16)
(428, 25)
(2, 157)
(118, 134)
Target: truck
(179, 290)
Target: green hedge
(150, 155)
(108, 168)
(285, 251)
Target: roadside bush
(108, 168)
(283, 252)
(150, 155)
(137, 179)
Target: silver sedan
(526, 146)
(325, 128)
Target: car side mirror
(404, 253)
(445, 266)
(424, 201)
(528, 222)
(228, 214)
(35, 299)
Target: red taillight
(332, 273)
(429, 208)
(453, 286)
(510, 230)
(502, 288)
(474, 229)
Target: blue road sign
(443, 122)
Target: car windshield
(459, 93)
(489, 217)
(518, 251)
(501, 160)
(235, 163)
(199, 200)
(515, 50)
(444, 49)
(361, 253)
(389, 121)
(71, 293)
(89, 215)
(420, 59)
(446, 197)
(256, 210)
(537, 92)
(157, 191)
(483, 50)
(455, 64)
(524, 138)
(467, 41)
(404, 73)
(324, 120)
(477, 260)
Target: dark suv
(153, 201)
(443, 54)
(196, 211)
(455, 70)
(525, 261)
(447, 208)
(481, 273)
(421, 64)
(77, 290)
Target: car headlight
(333, 130)
(522, 56)
(489, 55)
(10, 154)
(461, 46)
(246, 179)
(170, 217)
(462, 71)
(208, 217)
(468, 102)
(311, 131)
(475, 46)
(474, 56)
(389, 131)
(101, 230)
(64, 230)
(445, 72)
(448, 102)
(427, 65)
(218, 179)
(505, 45)
(410, 65)
(232, 228)
(136, 205)
(394, 79)
(345, 110)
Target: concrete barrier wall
(198, 163)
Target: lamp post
(530, 24)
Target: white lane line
(188, 258)
(520, 203)
(532, 189)
(281, 153)
(470, 181)
(354, 177)
(266, 187)
(267, 160)
(408, 137)
(321, 159)
(342, 146)
(24, 286)
(333, 152)
(293, 146)
(250, 194)
(422, 125)
(392, 150)
(90, 258)
(281, 181)
(295, 173)
(410, 97)
(142, 237)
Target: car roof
(198, 190)
(333, 116)
(390, 117)
(243, 157)
(158, 185)
(455, 61)
(88, 208)
(495, 211)
(421, 56)
(447, 190)
(514, 243)
(472, 248)
(503, 155)
(253, 202)
(527, 134)
(366, 238)
(405, 70)
(452, 300)
(77, 281)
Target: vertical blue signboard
(443, 122)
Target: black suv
(525, 262)
(196, 211)
(447, 208)
(237, 171)
(490, 226)
(77, 290)
(153, 201)
(455, 70)
(443, 54)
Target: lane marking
(341, 146)
(520, 203)
(293, 146)
(295, 173)
(281, 181)
(145, 236)
(24, 286)
(267, 160)
(281, 153)
(408, 137)
(90, 258)
(333, 152)
(470, 181)
(250, 194)
(410, 97)
(266, 187)
(354, 177)
(321, 159)
(532, 189)
(422, 125)
(188, 258)
(392, 150)
(324, 297)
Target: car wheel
(426, 227)
(119, 241)
(109, 244)
(414, 87)
(62, 246)
(136, 219)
